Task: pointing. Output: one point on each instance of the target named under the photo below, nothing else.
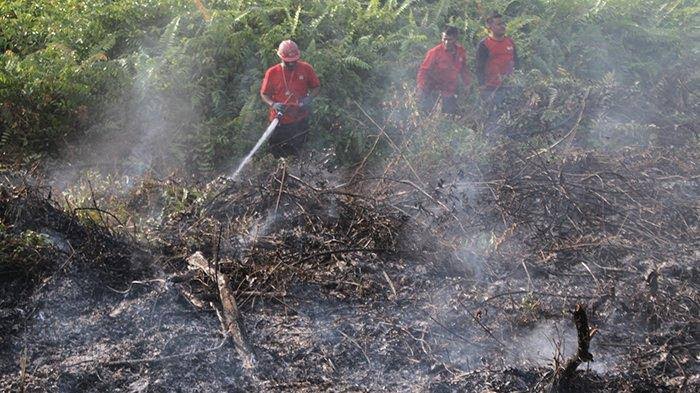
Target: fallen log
(230, 316)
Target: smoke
(612, 133)
(148, 112)
(258, 227)
(140, 130)
(541, 345)
(83, 320)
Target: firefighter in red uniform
(496, 57)
(289, 88)
(439, 74)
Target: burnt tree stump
(563, 378)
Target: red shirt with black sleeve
(440, 70)
(289, 86)
(494, 60)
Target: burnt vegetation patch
(543, 238)
(287, 282)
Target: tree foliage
(166, 71)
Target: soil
(342, 293)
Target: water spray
(265, 136)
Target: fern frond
(167, 40)
(6, 137)
(295, 21)
(356, 62)
(442, 7)
(553, 94)
(311, 48)
(313, 25)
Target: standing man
(496, 57)
(289, 88)
(439, 74)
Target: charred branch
(564, 377)
(231, 317)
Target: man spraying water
(289, 88)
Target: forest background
(180, 78)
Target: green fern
(295, 22)
(362, 50)
(168, 38)
(6, 136)
(404, 7)
(356, 62)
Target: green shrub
(75, 69)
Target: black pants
(288, 139)
(428, 100)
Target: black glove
(279, 107)
(306, 101)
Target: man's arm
(313, 86)
(482, 56)
(315, 91)
(313, 83)
(265, 89)
(424, 70)
(266, 99)
(516, 60)
(464, 72)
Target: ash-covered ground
(346, 283)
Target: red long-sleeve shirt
(289, 87)
(441, 70)
(494, 60)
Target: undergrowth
(180, 83)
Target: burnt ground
(463, 286)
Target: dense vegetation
(402, 253)
(74, 71)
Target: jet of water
(265, 136)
